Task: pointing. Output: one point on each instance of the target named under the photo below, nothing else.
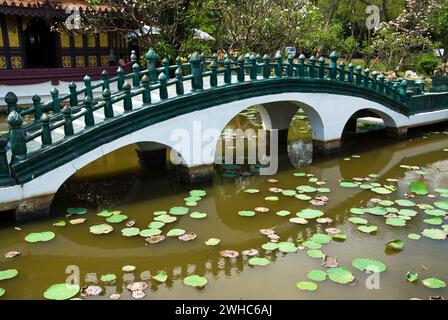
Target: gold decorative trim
(93, 61)
(78, 41)
(104, 61)
(16, 62)
(66, 62)
(104, 40)
(2, 62)
(80, 62)
(13, 32)
(91, 40)
(65, 40)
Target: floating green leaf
(147, 233)
(368, 229)
(283, 213)
(287, 247)
(321, 238)
(159, 213)
(435, 221)
(108, 277)
(161, 276)
(434, 283)
(407, 213)
(395, 244)
(405, 203)
(348, 184)
(259, 262)
(198, 215)
(179, 211)
(8, 274)
(442, 205)
(376, 211)
(315, 254)
(340, 236)
(192, 199)
(386, 203)
(311, 245)
(369, 265)
(252, 191)
(289, 193)
(117, 218)
(103, 228)
(156, 225)
(381, 190)
(191, 204)
(300, 174)
(59, 224)
(212, 242)
(40, 237)
(419, 188)
(130, 232)
(435, 234)
(76, 211)
(306, 189)
(340, 275)
(436, 212)
(303, 197)
(359, 221)
(411, 277)
(61, 291)
(317, 275)
(324, 190)
(357, 211)
(2, 292)
(175, 233)
(395, 222)
(195, 281)
(247, 213)
(165, 218)
(271, 199)
(310, 214)
(105, 213)
(306, 286)
(270, 246)
(414, 236)
(198, 193)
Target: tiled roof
(56, 4)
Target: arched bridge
(146, 106)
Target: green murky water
(139, 194)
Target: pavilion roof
(36, 7)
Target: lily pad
(289, 193)
(321, 238)
(128, 268)
(419, 188)
(247, 213)
(101, 229)
(312, 245)
(213, 242)
(414, 236)
(310, 214)
(442, 205)
(395, 222)
(307, 286)
(376, 211)
(436, 212)
(156, 225)
(348, 184)
(130, 232)
(340, 236)
(303, 197)
(411, 277)
(287, 247)
(407, 213)
(369, 265)
(117, 218)
(434, 283)
(381, 190)
(61, 291)
(386, 203)
(147, 233)
(405, 203)
(283, 213)
(76, 211)
(368, 229)
(315, 254)
(175, 233)
(306, 189)
(161, 276)
(357, 211)
(271, 199)
(195, 281)
(435, 234)
(340, 275)
(259, 262)
(179, 211)
(395, 244)
(435, 221)
(192, 199)
(40, 237)
(159, 213)
(106, 213)
(359, 221)
(270, 246)
(165, 218)
(60, 224)
(198, 215)
(8, 274)
(108, 277)
(252, 191)
(317, 275)
(198, 193)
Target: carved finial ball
(351, 66)
(252, 58)
(165, 60)
(45, 118)
(72, 85)
(162, 77)
(126, 86)
(334, 55)
(359, 68)
(14, 119)
(120, 70)
(104, 73)
(195, 57)
(278, 55)
(312, 59)
(87, 78)
(321, 60)
(302, 57)
(106, 93)
(54, 91)
(87, 100)
(179, 73)
(36, 99)
(266, 57)
(145, 78)
(11, 97)
(241, 58)
(135, 67)
(151, 55)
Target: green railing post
(253, 67)
(351, 69)
(179, 62)
(46, 132)
(278, 65)
(403, 90)
(56, 107)
(11, 100)
(146, 95)
(266, 67)
(214, 74)
(120, 80)
(367, 77)
(68, 124)
(240, 72)
(382, 78)
(227, 71)
(135, 75)
(342, 71)
(105, 78)
(133, 56)
(37, 107)
(5, 175)
(321, 67)
(89, 120)
(290, 66)
(166, 67)
(312, 67)
(375, 80)
(16, 136)
(395, 91)
(197, 82)
(302, 59)
(127, 102)
(88, 84)
(358, 75)
(73, 95)
(151, 61)
(333, 65)
(259, 61)
(203, 63)
(163, 91)
(179, 81)
(387, 88)
(108, 108)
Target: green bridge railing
(62, 111)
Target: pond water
(139, 194)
